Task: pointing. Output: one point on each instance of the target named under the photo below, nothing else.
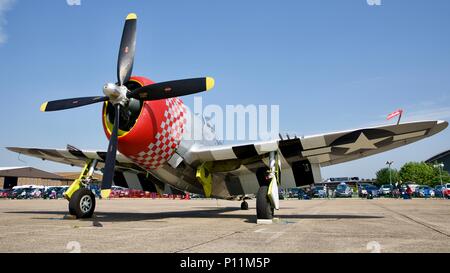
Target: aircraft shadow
(222, 213)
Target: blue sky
(330, 65)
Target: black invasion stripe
(303, 174)
(146, 182)
(290, 147)
(77, 153)
(119, 180)
(234, 185)
(246, 151)
(102, 155)
(176, 191)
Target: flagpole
(399, 117)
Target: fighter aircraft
(148, 148)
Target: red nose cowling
(156, 134)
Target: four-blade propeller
(119, 95)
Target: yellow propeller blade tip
(209, 83)
(131, 16)
(44, 106)
(105, 193)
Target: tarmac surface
(162, 225)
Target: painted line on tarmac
(426, 225)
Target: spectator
(408, 192)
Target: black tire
(264, 209)
(244, 205)
(82, 203)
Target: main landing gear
(267, 199)
(82, 203)
(264, 208)
(81, 199)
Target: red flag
(394, 114)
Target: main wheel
(82, 203)
(244, 205)
(264, 209)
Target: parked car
(47, 194)
(413, 187)
(298, 193)
(281, 194)
(425, 191)
(386, 190)
(25, 193)
(5, 193)
(119, 192)
(136, 194)
(442, 191)
(319, 192)
(362, 192)
(367, 190)
(60, 192)
(446, 190)
(343, 190)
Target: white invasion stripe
(317, 174)
(266, 147)
(287, 178)
(317, 159)
(317, 151)
(132, 180)
(410, 135)
(313, 142)
(223, 154)
(67, 154)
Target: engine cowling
(150, 131)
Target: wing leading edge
(325, 149)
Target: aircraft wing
(126, 173)
(75, 157)
(324, 149)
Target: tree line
(416, 172)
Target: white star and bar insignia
(362, 143)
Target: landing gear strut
(81, 199)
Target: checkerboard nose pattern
(167, 138)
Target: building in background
(18, 176)
(443, 157)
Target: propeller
(119, 95)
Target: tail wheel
(264, 209)
(244, 205)
(82, 203)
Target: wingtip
(44, 106)
(131, 16)
(443, 124)
(209, 83)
